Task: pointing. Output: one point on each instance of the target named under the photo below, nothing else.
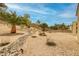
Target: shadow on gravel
(10, 34)
(4, 44)
(34, 36)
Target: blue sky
(51, 13)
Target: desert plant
(44, 26)
(49, 43)
(34, 36)
(42, 34)
(25, 20)
(14, 19)
(10, 17)
(38, 22)
(59, 27)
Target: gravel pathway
(15, 48)
(66, 45)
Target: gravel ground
(66, 45)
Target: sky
(50, 13)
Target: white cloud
(27, 8)
(36, 10)
(41, 10)
(68, 12)
(65, 15)
(48, 10)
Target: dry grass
(34, 36)
(42, 34)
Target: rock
(4, 44)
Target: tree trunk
(13, 30)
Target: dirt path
(14, 49)
(66, 44)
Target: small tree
(38, 22)
(59, 27)
(44, 26)
(25, 20)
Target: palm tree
(2, 6)
(14, 19)
(11, 18)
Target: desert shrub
(34, 36)
(42, 34)
(50, 43)
(44, 26)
